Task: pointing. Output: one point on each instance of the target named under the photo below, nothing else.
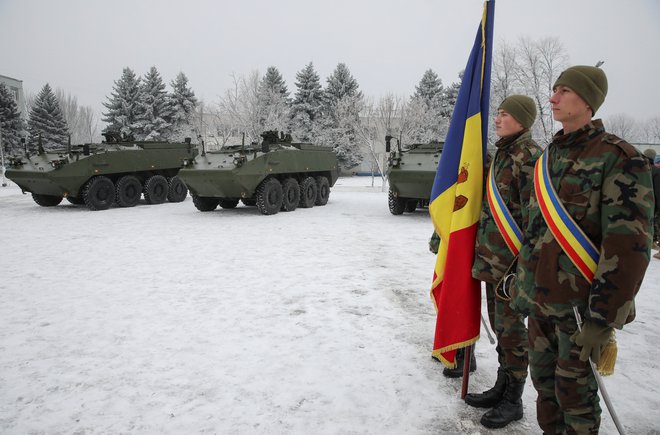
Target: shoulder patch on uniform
(629, 150)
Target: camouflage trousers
(567, 399)
(511, 333)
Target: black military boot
(460, 357)
(510, 407)
(489, 398)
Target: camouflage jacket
(605, 185)
(514, 171)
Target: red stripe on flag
(457, 297)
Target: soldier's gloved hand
(434, 243)
(593, 338)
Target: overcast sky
(82, 46)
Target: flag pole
(466, 372)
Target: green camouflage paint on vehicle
(277, 175)
(117, 171)
(410, 174)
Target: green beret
(520, 107)
(589, 82)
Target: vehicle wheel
(155, 189)
(411, 206)
(99, 193)
(323, 190)
(205, 203)
(397, 205)
(290, 194)
(76, 200)
(46, 200)
(177, 189)
(228, 203)
(269, 196)
(249, 202)
(128, 191)
(307, 193)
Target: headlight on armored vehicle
(57, 163)
(239, 161)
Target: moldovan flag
(455, 203)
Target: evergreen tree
(183, 108)
(339, 130)
(273, 83)
(429, 88)
(11, 124)
(451, 96)
(428, 104)
(341, 84)
(122, 104)
(273, 101)
(307, 105)
(46, 122)
(154, 109)
(341, 116)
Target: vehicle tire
(155, 189)
(290, 194)
(205, 203)
(128, 191)
(411, 206)
(75, 200)
(177, 189)
(99, 193)
(46, 200)
(323, 190)
(269, 196)
(228, 203)
(249, 202)
(307, 193)
(397, 205)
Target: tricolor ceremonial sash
(582, 252)
(503, 219)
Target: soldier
(504, 212)
(587, 244)
(655, 174)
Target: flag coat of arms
(455, 203)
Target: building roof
(11, 78)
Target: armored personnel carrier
(410, 174)
(117, 171)
(277, 175)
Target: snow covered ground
(163, 319)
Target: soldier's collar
(594, 128)
(506, 140)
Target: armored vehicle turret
(410, 174)
(116, 171)
(276, 175)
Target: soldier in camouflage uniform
(655, 175)
(512, 168)
(605, 185)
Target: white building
(16, 88)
